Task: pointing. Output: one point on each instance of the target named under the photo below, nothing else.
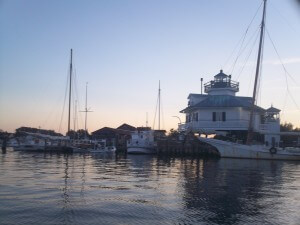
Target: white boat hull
(141, 150)
(235, 150)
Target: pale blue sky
(122, 48)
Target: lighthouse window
(223, 116)
(195, 117)
(219, 116)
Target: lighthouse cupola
(221, 85)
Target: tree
(79, 134)
(286, 127)
(173, 133)
(288, 140)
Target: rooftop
(221, 75)
(224, 101)
(273, 110)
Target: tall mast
(159, 105)
(70, 92)
(86, 110)
(75, 115)
(259, 59)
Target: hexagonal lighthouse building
(220, 110)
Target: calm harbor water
(119, 189)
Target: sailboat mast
(75, 115)
(86, 110)
(159, 105)
(70, 92)
(259, 57)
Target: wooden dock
(187, 145)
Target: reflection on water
(137, 189)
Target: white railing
(215, 125)
(221, 125)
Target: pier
(187, 145)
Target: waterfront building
(114, 136)
(220, 110)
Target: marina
(82, 142)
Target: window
(195, 117)
(188, 118)
(219, 116)
(223, 116)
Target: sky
(122, 48)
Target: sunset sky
(122, 48)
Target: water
(108, 189)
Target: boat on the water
(144, 139)
(229, 149)
(91, 146)
(36, 142)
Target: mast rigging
(258, 64)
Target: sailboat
(91, 146)
(143, 140)
(251, 150)
(47, 143)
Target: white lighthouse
(220, 109)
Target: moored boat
(142, 142)
(144, 139)
(91, 146)
(229, 149)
